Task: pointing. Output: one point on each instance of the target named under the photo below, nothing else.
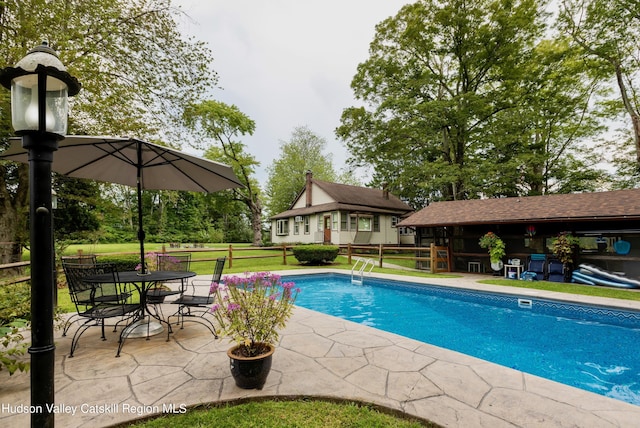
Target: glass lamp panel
(24, 104)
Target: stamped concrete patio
(318, 355)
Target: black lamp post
(40, 86)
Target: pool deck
(321, 356)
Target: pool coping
(322, 356)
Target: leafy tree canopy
(137, 73)
(466, 99)
(223, 123)
(303, 152)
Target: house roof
(350, 198)
(614, 205)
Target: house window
(344, 221)
(334, 221)
(307, 225)
(376, 223)
(353, 222)
(296, 228)
(394, 221)
(282, 227)
(405, 231)
(364, 224)
(320, 225)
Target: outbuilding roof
(613, 205)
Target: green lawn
(571, 288)
(284, 414)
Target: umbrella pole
(141, 235)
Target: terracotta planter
(250, 372)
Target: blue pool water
(589, 347)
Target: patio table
(143, 326)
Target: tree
(303, 152)
(542, 144)
(137, 74)
(221, 122)
(436, 79)
(609, 31)
(76, 213)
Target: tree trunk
(256, 221)
(628, 106)
(635, 121)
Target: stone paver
(318, 355)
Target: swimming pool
(589, 347)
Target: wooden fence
(232, 253)
(13, 273)
(435, 259)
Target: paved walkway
(318, 355)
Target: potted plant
(496, 248)
(249, 310)
(564, 247)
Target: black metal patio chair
(92, 306)
(173, 262)
(103, 292)
(194, 303)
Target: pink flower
(255, 306)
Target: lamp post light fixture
(40, 86)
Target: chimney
(385, 190)
(308, 187)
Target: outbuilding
(528, 225)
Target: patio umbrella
(134, 163)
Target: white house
(340, 214)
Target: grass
(570, 288)
(306, 413)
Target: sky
(287, 63)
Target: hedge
(315, 254)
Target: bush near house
(316, 254)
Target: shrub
(13, 346)
(316, 254)
(15, 302)
(15, 310)
(123, 263)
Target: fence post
(434, 257)
(380, 251)
(164, 248)
(80, 252)
(349, 253)
(284, 254)
(230, 256)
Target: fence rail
(14, 273)
(435, 259)
(231, 252)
